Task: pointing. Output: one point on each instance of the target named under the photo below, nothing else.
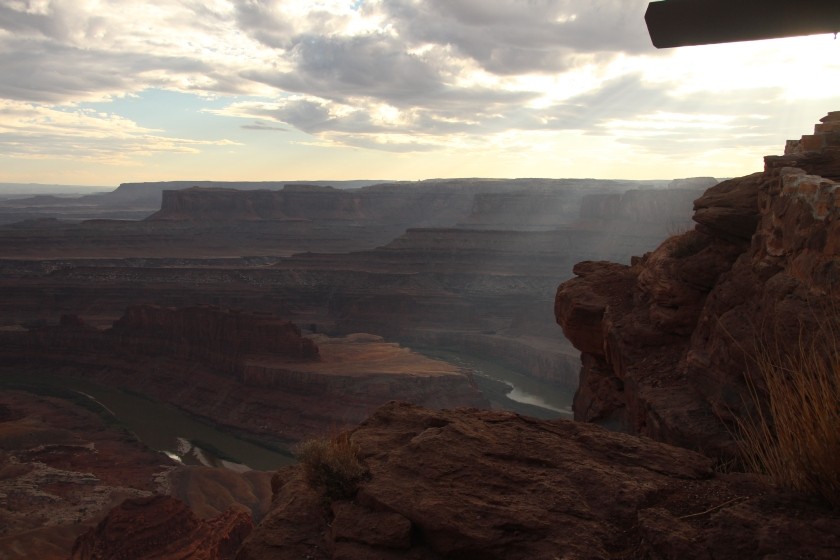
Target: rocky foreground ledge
(495, 485)
(492, 485)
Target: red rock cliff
(216, 336)
(666, 341)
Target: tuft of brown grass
(687, 243)
(794, 434)
(332, 463)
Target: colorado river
(192, 441)
(161, 426)
(509, 389)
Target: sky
(101, 92)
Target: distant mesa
(219, 338)
(642, 206)
(693, 183)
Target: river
(193, 441)
(510, 389)
(161, 426)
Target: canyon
(668, 348)
(659, 350)
(281, 314)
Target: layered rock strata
(485, 290)
(666, 342)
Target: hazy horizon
(250, 91)
(15, 188)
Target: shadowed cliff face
(666, 342)
(315, 204)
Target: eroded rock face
(667, 340)
(495, 485)
(161, 527)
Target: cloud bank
(391, 75)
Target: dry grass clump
(687, 243)
(794, 435)
(332, 463)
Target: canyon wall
(249, 372)
(644, 206)
(221, 338)
(669, 341)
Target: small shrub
(332, 463)
(794, 435)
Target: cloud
(340, 68)
(257, 125)
(48, 73)
(390, 75)
(519, 36)
(630, 110)
(264, 21)
(75, 50)
(31, 131)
